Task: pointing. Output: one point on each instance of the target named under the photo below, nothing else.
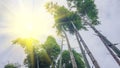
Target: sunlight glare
(27, 22)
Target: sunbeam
(27, 21)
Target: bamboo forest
(59, 34)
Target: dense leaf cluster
(43, 54)
(85, 8)
(64, 17)
(66, 61)
(10, 66)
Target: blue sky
(108, 15)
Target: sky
(108, 15)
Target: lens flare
(31, 22)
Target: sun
(31, 22)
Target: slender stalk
(82, 51)
(87, 49)
(106, 42)
(113, 55)
(89, 53)
(60, 65)
(37, 62)
(29, 47)
(69, 48)
(35, 59)
(104, 39)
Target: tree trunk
(87, 49)
(113, 55)
(89, 53)
(82, 51)
(104, 39)
(69, 48)
(37, 61)
(60, 65)
(35, 58)
(31, 53)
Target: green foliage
(26, 43)
(10, 66)
(45, 53)
(51, 47)
(27, 61)
(41, 56)
(64, 17)
(78, 59)
(86, 7)
(44, 58)
(67, 61)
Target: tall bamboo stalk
(82, 51)
(106, 42)
(86, 48)
(103, 38)
(69, 48)
(113, 55)
(60, 64)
